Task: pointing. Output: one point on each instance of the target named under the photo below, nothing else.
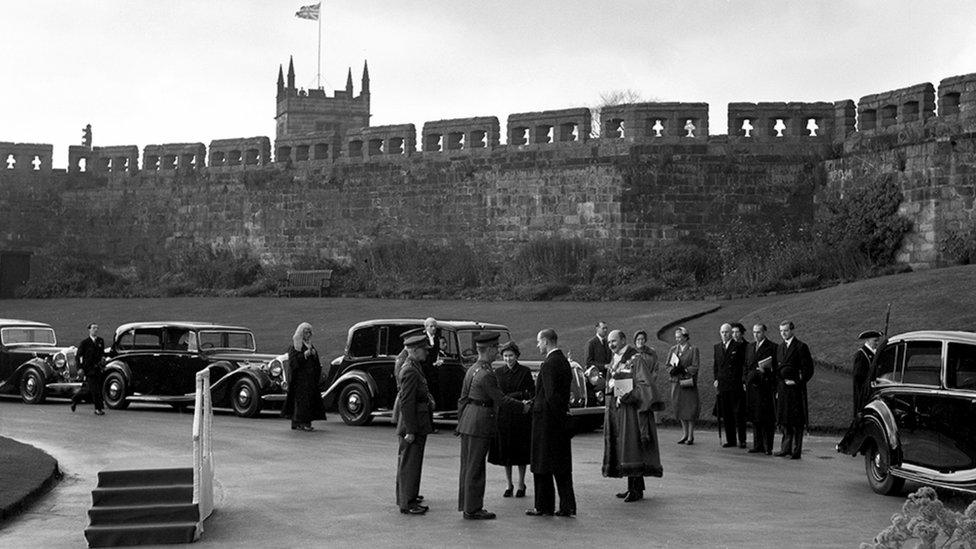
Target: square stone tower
(302, 113)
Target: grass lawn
(828, 320)
(273, 320)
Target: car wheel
(113, 391)
(355, 404)
(32, 388)
(244, 398)
(877, 464)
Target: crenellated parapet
(461, 135)
(655, 122)
(313, 149)
(174, 157)
(549, 127)
(26, 157)
(957, 101)
(112, 160)
(781, 120)
(119, 159)
(896, 110)
(239, 154)
(379, 143)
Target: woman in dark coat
(513, 444)
(303, 403)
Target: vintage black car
(32, 364)
(919, 422)
(158, 361)
(361, 386)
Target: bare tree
(609, 99)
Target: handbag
(687, 382)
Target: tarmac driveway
(334, 487)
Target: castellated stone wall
(655, 175)
(620, 202)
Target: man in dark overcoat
(760, 382)
(630, 443)
(552, 458)
(794, 368)
(862, 366)
(413, 425)
(477, 425)
(728, 358)
(598, 353)
(91, 352)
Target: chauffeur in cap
(862, 365)
(477, 417)
(413, 425)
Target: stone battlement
(902, 115)
(654, 174)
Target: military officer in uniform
(862, 365)
(413, 425)
(477, 425)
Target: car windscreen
(27, 336)
(238, 341)
(466, 341)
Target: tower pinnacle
(291, 73)
(349, 82)
(365, 78)
(281, 82)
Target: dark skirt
(685, 402)
(513, 444)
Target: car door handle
(156, 354)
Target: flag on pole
(309, 12)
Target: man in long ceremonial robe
(630, 443)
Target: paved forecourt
(282, 488)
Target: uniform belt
(484, 403)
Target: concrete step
(142, 495)
(140, 534)
(136, 514)
(145, 477)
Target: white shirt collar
(554, 349)
(789, 341)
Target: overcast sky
(170, 71)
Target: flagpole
(319, 75)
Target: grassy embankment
(828, 320)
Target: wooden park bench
(307, 281)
